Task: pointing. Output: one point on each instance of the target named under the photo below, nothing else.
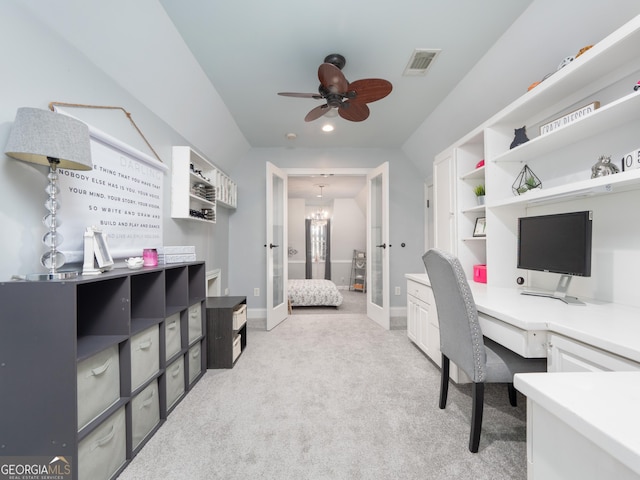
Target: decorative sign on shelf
(631, 160)
(569, 118)
(122, 197)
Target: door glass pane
(377, 253)
(278, 232)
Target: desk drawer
(419, 291)
(530, 344)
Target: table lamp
(47, 138)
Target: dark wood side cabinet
(91, 367)
(225, 343)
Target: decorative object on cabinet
(134, 263)
(604, 167)
(636, 86)
(46, 138)
(569, 118)
(520, 137)
(480, 229)
(525, 181)
(631, 160)
(480, 193)
(97, 258)
(461, 340)
(565, 61)
(480, 164)
(582, 50)
(109, 344)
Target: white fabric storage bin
(145, 413)
(195, 361)
(172, 335)
(237, 346)
(195, 321)
(103, 451)
(98, 384)
(175, 381)
(145, 355)
(240, 317)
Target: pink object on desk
(480, 273)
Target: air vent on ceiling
(420, 61)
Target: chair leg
(444, 381)
(476, 416)
(513, 397)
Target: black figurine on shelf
(520, 137)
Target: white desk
(582, 425)
(523, 322)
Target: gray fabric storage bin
(145, 355)
(145, 413)
(172, 335)
(195, 321)
(175, 381)
(195, 361)
(98, 384)
(103, 451)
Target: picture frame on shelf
(480, 229)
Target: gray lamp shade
(38, 135)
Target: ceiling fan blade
(355, 112)
(317, 113)
(332, 78)
(370, 89)
(301, 95)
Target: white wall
(41, 67)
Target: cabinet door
(571, 356)
(412, 331)
(443, 185)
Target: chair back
(460, 333)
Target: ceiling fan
(349, 99)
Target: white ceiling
(253, 49)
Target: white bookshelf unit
(198, 187)
(562, 159)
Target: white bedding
(308, 293)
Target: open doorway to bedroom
(327, 223)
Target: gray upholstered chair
(461, 340)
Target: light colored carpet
(332, 397)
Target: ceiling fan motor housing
(336, 59)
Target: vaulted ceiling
(253, 49)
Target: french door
(276, 246)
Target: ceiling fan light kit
(349, 99)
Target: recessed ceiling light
(327, 128)
(291, 136)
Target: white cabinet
(567, 355)
(198, 187)
(422, 323)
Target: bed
(313, 293)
